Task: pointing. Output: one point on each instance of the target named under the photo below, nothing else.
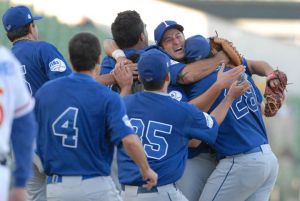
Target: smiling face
(173, 43)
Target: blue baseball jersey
(178, 92)
(243, 128)
(40, 62)
(80, 121)
(164, 126)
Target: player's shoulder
(44, 44)
(58, 82)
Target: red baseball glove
(274, 95)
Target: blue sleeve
(175, 68)
(54, 63)
(23, 134)
(203, 126)
(107, 65)
(119, 125)
(245, 63)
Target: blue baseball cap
(196, 47)
(153, 66)
(17, 17)
(163, 27)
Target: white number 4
(65, 127)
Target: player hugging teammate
(188, 127)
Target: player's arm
(111, 49)
(224, 80)
(53, 61)
(260, 68)
(106, 79)
(195, 71)
(23, 133)
(135, 150)
(235, 91)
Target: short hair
(127, 28)
(84, 51)
(19, 32)
(153, 86)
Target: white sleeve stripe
(26, 108)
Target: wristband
(118, 53)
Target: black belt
(141, 189)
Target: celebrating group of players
(182, 126)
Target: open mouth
(178, 49)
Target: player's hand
(274, 83)
(123, 60)
(150, 177)
(225, 79)
(237, 90)
(124, 78)
(17, 194)
(222, 57)
(194, 143)
(134, 70)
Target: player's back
(165, 126)
(75, 140)
(243, 124)
(40, 62)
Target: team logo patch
(209, 120)
(126, 121)
(173, 62)
(57, 65)
(176, 95)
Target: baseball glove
(274, 96)
(218, 44)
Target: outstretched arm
(195, 71)
(260, 68)
(235, 91)
(224, 80)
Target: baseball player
(242, 145)
(40, 62)
(129, 34)
(17, 124)
(83, 123)
(169, 36)
(164, 133)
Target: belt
(253, 150)
(260, 148)
(141, 189)
(53, 179)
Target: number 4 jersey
(243, 128)
(79, 120)
(164, 125)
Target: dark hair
(153, 86)
(127, 28)
(18, 33)
(84, 51)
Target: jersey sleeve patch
(57, 65)
(126, 121)
(209, 120)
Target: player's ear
(99, 59)
(31, 27)
(142, 37)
